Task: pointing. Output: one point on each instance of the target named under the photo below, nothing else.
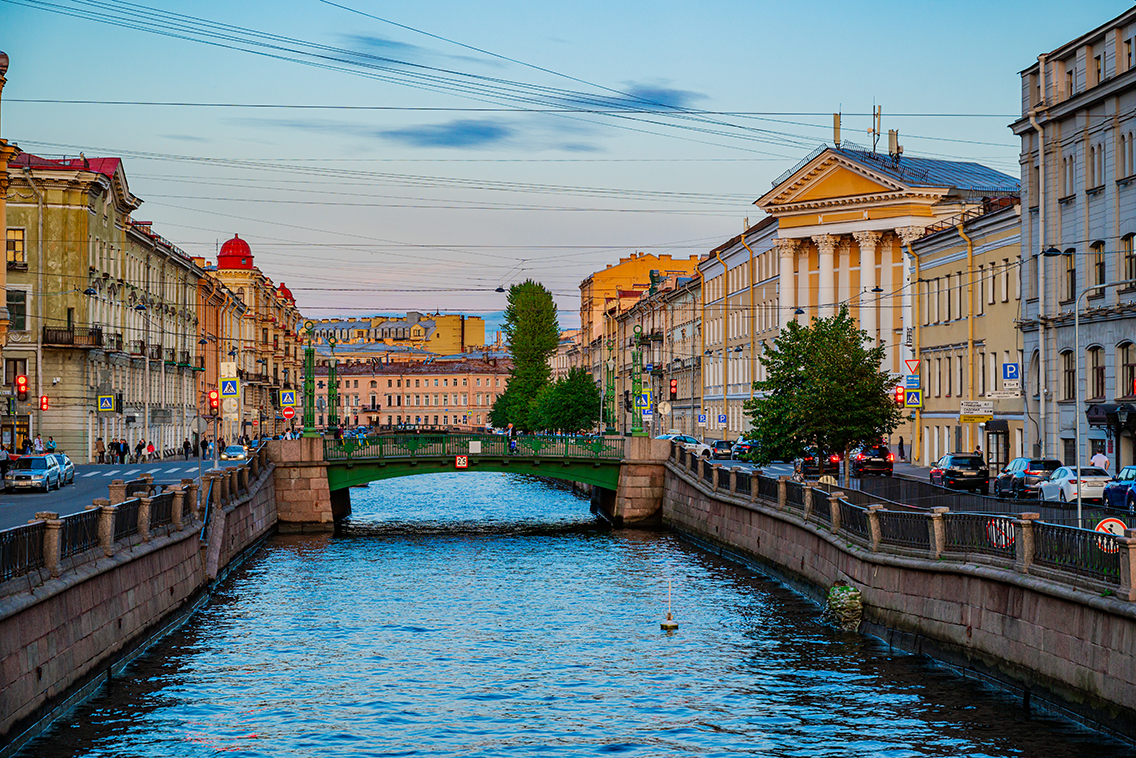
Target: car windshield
(234, 449)
(26, 464)
(1044, 465)
(875, 452)
(1092, 471)
(968, 462)
(722, 443)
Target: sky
(389, 156)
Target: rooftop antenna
(836, 128)
(895, 150)
(877, 117)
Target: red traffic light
(44, 402)
(674, 389)
(214, 400)
(900, 396)
(22, 387)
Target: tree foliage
(533, 333)
(570, 404)
(824, 388)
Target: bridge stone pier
(313, 476)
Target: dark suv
(871, 459)
(722, 449)
(1022, 477)
(962, 471)
(813, 463)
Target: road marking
(156, 470)
(131, 471)
(93, 473)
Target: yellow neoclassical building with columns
(846, 216)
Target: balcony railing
(136, 347)
(155, 352)
(73, 336)
(113, 341)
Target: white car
(1062, 484)
(688, 442)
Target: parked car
(721, 449)
(744, 447)
(1062, 484)
(962, 471)
(1022, 476)
(813, 463)
(688, 442)
(1121, 492)
(871, 459)
(234, 453)
(34, 472)
(66, 468)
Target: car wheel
(1016, 491)
(1062, 498)
(997, 488)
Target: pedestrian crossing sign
(287, 397)
(106, 403)
(913, 399)
(230, 387)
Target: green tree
(824, 388)
(570, 404)
(533, 334)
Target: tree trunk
(847, 470)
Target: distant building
(1078, 173)
(567, 354)
(455, 394)
(438, 333)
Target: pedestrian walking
(100, 450)
(151, 453)
(901, 456)
(511, 434)
(138, 450)
(186, 448)
(1100, 460)
(38, 445)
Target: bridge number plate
(461, 461)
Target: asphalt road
(91, 482)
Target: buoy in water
(669, 624)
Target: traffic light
(900, 396)
(44, 402)
(674, 389)
(214, 401)
(22, 387)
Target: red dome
(234, 254)
(285, 293)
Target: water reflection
(485, 614)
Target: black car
(871, 459)
(962, 471)
(817, 464)
(1023, 476)
(721, 449)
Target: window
(1005, 279)
(1070, 80)
(1127, 371)
(374, 384)
(1070, 274)
(1096, 373)
(1091, 167)
(17, 310)
(1128, 53)
(1098, 67)
(947, 361)
(1097, 263)
(1068, 375)
(980, 280)
(16, 254)
(1129, 255)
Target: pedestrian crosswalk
(117, 473)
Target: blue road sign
(649, 367)
(702, 418)
(106, 402)
(1011, 371)
(645, 400)
(911, 381)
(287, 397)
(721, 418)
(230, 388)
(914, 399)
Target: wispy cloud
(186, 137)
(661, 96)
(394, 51)
(459, 133)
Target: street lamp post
(609, 401)
(310, 381)
(1077, 371)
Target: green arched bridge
(589, 460)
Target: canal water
(491, 615)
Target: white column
(868, 242)
(907, 235)
(887, 300)
(786, 251)
(844, 272)
(803, 276)
(826, 286)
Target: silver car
(66, 468)
(34, 472)
(234, 453)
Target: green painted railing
(446, 445)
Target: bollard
(117, 489)
(808, 501)
(254, 467)
(51, 547)
(1023, 541)
(175, 509)
(1127, 590)
(733, 481)
(874, 531)
(144, 518)
(107, 514)
(938, 526)
(221, 487)
(192, 491)
(243, 473)
(782, 492)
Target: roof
(379, 348)
(104, 166)
(932, 172)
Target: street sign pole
(609, 399)
(636, 385)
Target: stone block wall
(303, 498)
(1072, 647)
(639, 497)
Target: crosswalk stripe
(131, 471)
(156, 470)
(93, 473)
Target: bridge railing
(1088, 560)
(446, 445)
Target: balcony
(73, 336)
(113, 341)
(171, 355)
(155, 352)
(184, 358)
(136, 347)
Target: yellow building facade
(413, 334)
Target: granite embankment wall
(86, 592)
(1047, 610)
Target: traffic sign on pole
(702, 419)
(912, 365)
(911, 381)
(287, 398)
(288, 412)
(230, 386)
(914, 399)
(106, 403)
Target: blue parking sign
(702, 418)
(721, 418)
(1011, 371)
